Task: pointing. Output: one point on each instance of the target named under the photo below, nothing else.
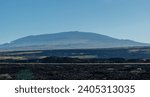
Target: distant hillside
(68, 40)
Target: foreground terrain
(76, 64)
(75, 71)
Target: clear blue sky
(127, 19)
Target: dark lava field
(75, 71)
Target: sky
(123, 19)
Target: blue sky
(127, 19)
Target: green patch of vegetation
(25, 75)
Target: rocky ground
(74, 71)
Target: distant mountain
(68, 40)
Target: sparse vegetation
(92, 64)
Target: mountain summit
(68, 40)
